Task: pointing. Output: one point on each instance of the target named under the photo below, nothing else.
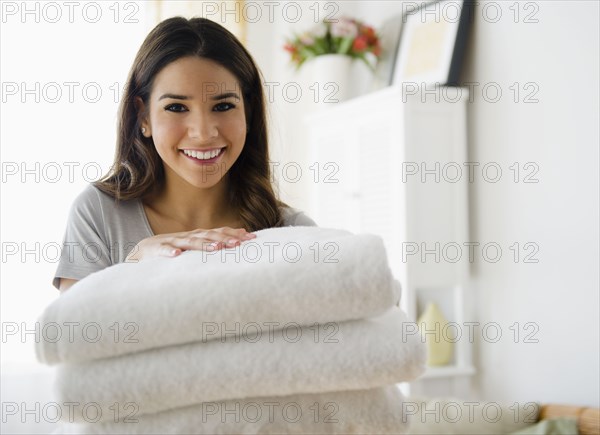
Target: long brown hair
(138, 169)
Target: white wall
(265, 40)
(559, 214)
(558, 54)
(44, 131)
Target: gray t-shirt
(101, 233)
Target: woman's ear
(142, 117)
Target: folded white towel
(352, 355)
(377, 410)
(289, 274)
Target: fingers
(185, 243)
(172, 245)
(221, 234)
(148, 250)
(167, 250)
(225, 236)
(211, 240)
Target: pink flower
(344, 28)
(306, 39)
(319, 30)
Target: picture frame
(432, 42)
(390, 37)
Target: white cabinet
(396, 165)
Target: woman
(191, 169)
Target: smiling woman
(195, 128)
(191, 169)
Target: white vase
(335, 78)
(439, 346)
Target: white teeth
(202, 155)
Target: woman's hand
(171, 245)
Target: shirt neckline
(145, 217)
(286, 211)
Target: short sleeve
(84, 248)
(295, 218)
(302, 220)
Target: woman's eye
(175, 108)
(222, 107)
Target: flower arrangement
(343, 36)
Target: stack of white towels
(295, 331)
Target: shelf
(365, 103)
(447, 371)
(366, 141)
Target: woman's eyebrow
(174, 96)
(226, 95)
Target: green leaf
(366, 61)
(345, 45)
(321, 46)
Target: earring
(143, 130)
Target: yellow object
(438, 340)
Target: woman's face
(196, 119)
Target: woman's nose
(202, 128)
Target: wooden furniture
(588, 419)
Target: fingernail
(232, 241)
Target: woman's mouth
(203, 157)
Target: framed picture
(432, 42)
(390, 37)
